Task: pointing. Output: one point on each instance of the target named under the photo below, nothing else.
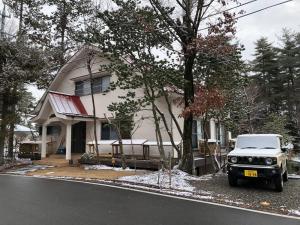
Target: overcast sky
(268, 24)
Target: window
(51, 130)
(206, 129)
(101, 84)
(107, 132)
(194, 135)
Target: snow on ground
(294, 176)
(60, 177)
(104, 167)
(296, 159)
(294, 212)
(17, 162)
(28, 169)
(179, 180)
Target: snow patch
(28, 169)
(104, 167)
(294, 212)
(49, 173)
(295, 159)
(234, 202)
(179, 179)
(294, 176)
(198, 195)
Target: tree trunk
(171, 113)
(63, 23)
(159, 139)
(3, 125)
(93, 103)
(151, 94)
(123, 158)
(117, 129)
(169, 132)
(187, 157)
(11, 140)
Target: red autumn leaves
(205, 100)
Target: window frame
(112, 133)
(98, 88)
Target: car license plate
(250, 173)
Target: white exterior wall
(65, 84)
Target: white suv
(258, 156)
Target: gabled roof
(67, 104)
(69, 65)
(64, 106)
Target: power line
(268, 7)
(251, 13)
(220, 59)
(235, 7)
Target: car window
(266, 142)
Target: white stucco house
(64, 113)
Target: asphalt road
(33, 201)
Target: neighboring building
(65, 111)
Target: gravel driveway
(253, 194)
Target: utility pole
(3, 18)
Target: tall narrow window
(105, 83)
(206, 130)
(194, 134)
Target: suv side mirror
(284, 149)
(231, 148)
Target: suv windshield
(252, 142)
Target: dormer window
(83, 87)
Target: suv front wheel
(279, 183)
(285, 176)
(232, 180)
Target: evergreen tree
(266, 74)
(66, 21)
(289, 61)
(19, 64)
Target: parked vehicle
(258, 156)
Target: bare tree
(114, 124)
(90, 57)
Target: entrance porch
(67, 137)
(63, 120)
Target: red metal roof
(67, 104)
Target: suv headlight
(233, 159)
(269, 161)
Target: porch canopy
(60, 108)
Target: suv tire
(279, 183)
(232, 180)
(285, 176)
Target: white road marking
(159, 194)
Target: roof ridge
(61, 93)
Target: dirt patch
(80, 172)
(56, 160)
